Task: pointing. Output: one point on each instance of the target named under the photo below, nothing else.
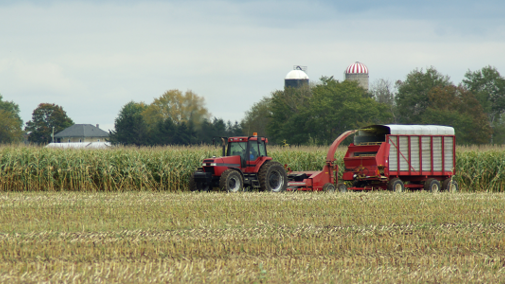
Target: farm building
(80, 145)
(357, 72)
(81, 133)
(296, 77)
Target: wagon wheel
(329, 187)
(396, 185)
(341, 187)
(450, 185)
(432, 185)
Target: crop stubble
(252, 237)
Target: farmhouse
(81, 133)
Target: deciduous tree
(459, 108)
(10, 122)
(489, 88)
(257, 118)
(178, 107)
(412, 97)
(340, 106)
(44, 118)
(130, 127)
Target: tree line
(175, 118)
(312, 114)
(318, 113)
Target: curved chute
(331, 152)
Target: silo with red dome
(358, 72)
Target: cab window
(263, 149)
(236, 148)
(253, 150)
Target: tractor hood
(230, 161)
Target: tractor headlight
(213, 164)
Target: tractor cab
(249, 149)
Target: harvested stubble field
(141, 236)
(32, 168)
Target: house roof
(82, 130)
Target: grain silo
(296, 77)
(357, 72)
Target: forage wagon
(396, 157)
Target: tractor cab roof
(245, 139)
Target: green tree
(412, 97)
(459, 108)
(257, 118)
(130, 127)
(178, 107)
(384, 92)
(340, 106)
(489, 88)
(320, 113)
(289, 114)
(44, 118)
(10, 122)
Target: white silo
(358, 72)
(296, 77)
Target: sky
(93, 57)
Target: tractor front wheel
(194, 186)
(231, 181)
(273, 177)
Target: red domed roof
(357, 68)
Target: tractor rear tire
(231, 181)
(450, 185)
(432, 185)
(396, 185)
(272, 177)
(341, 187)
(329, 188)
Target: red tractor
(244, 164)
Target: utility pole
(53, 134)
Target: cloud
(93, 57)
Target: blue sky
(92, 57)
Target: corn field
(29, 168)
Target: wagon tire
(396, 185)
(231, 181)
(450, 185)
(329, 187)
(273, 177)
(432, 185)
(341, 187)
